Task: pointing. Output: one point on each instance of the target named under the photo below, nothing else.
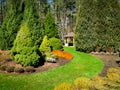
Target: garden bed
(10, 66)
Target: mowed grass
(82, 65)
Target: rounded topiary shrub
(55, 44)
(24, 50)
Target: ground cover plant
(82, 65)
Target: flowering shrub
(63, 54)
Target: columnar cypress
(85, 35)
(108, 24)
(98, 24)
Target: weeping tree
(10, 25)
(85, 35)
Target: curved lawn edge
(82, 65)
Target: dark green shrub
(10, 69)
(45, 46)
(30, 69)
(55, 44)
(3, 67)
(19, 70)
(24, 51)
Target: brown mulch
(110, 60)
(5, 60)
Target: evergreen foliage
(85, 35)
(32, 17)
(108, 24)
(50, 26)
(45, 46)
(10, 25)
(24, 51)
(55, 44)
(98, 25)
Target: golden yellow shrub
(64, 86)
(83, 84)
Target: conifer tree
(45, 45)
(31, 15)
(108, 24)
(85, 35)
(98, 25)
(10, 25)
(24, 51)
(50, 26)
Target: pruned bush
(10, 69)
(45, 46)
(3, 67)
(19, 70)
(24, 50)
(55, 44)
(30, 69)
(64, 86)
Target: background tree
(50, 26)
(31, 15)
(10, 25)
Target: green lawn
(82, 65)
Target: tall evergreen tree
(10, 25)
(31, 15)
(50, 26)
(98, 25)
(108, 24)
(85, 35)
